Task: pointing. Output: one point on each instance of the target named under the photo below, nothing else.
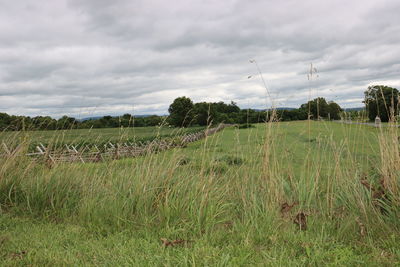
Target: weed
(231, 160)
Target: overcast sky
(96, 57)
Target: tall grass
(229, 188)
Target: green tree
(232, 108)
(139, 122)
(5, 121)
(292, 115)
(153, 120)
(382, 101)
(334, 110)
(204, 113)
(319, 107)
(66, 122)
(181, 112)
(42, 123)
(126, 120)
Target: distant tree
(153, 120)
(19, 123)
(319, 107)
(5, 121)
(204, 113)
(223, 117)
(292, 115)
(181, 112)
(139, 122)
(299, 114)
(334, 110)
(382, 101)
(126, 120)
(109, 122)
(232, 108)
(66, 122)
(41, 123)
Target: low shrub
(245, 126)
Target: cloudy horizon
(90, 57)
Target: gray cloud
(91, 57)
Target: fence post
(77, 154)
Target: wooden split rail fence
(71, 153)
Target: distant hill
(114, 116)
(354, 109)
(90, 118)
(281, 108)
(285, 108)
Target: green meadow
(279, 194)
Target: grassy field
(227, 198)
(93, 136)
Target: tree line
(380, 100)
(182, 113)
(18, 123)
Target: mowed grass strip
(223, 196)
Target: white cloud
(112, 57)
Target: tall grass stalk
(228, 190)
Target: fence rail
(86, 154)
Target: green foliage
(5, 121)
(292, 115)
(334, 110)
(26, 123)
(66, 122)
(319, 108)
(382, 101)
(204, 113)
(213, 113)
(181, 112)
